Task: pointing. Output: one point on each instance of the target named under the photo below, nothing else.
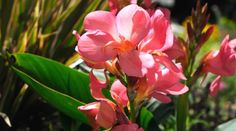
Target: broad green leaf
(228, 126)
(62, 102)
(55, 76)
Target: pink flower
(159, 83)
(118, 91)
(100, 114)
(131, 36)
(103, 112)
(222, 62)
(127, 127)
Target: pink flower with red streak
(132, 36)
(222, 62)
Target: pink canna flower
(118, 91)
(131, 36)
(222, 62)
(100, 114)
(159, 83)
(103, 113)
(127, 127)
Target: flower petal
(215, 85)
(177, 89)
(91, 111)
(96, 87)
(135, 63)
(101, 20)
(106, 116)
(92, 46)
(166, 61)
(119, 93)
(133, 23)
(161, 37)
(161, 97)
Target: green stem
(182, 103)
(182, 112)
(132, 111)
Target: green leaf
(62, 102)
(228, 126)
(145, 118)
(55, 75)
(62, 87)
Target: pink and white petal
(167, 62)
(106, 116)
(161, 97)
(101, 20)
(96, 86)
(133, 23)
(165, 80)
(152, 74)
(119, 93)
(177, 89)
(92, 46)
(135, 63)
(91, 110)
(215, 85)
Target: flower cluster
(137, 46)
(133, 45)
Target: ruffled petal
(161, 37)
(135, 63)
(101, 20)
(133, 23)
(93, 46)
(166, 61)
